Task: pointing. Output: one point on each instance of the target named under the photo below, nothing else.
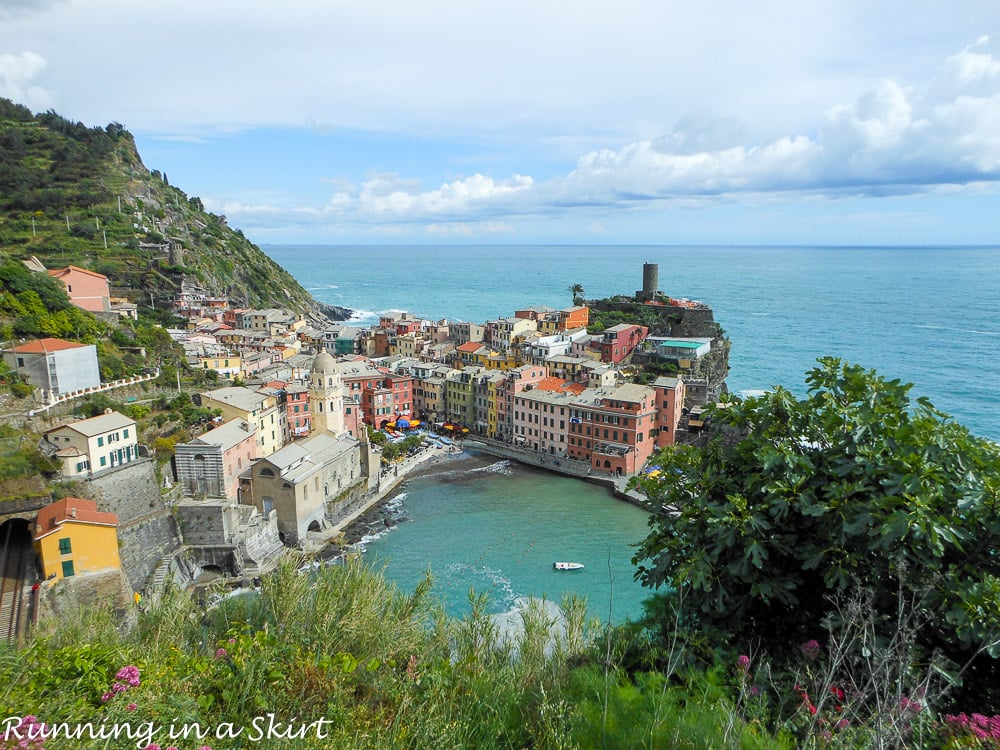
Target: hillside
(71, 194)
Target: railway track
(16, 557)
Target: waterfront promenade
(560, 465)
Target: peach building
(88, 290)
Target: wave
(319, 287)
(499, 588)
(500, 467)
(982, 333)
(362, 315)
(396, 502)
(372, 536)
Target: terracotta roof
(44, 346)
(73, 509)
(560, 386)
(472, 346)
(67, 269)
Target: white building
(93, 445)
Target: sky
(832, 122)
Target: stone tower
(326, 395)
(650, 282)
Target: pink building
(617, 342)
(516, 380)
(541, 420)
(669, 403)
(211, 464)
(614, 430)
(88, 290)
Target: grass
(341, 658)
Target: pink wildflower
(744, 662)
(810, 649)
(132, 706)
(220, 653)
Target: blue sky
(641, 121)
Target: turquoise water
(498, 528)
(926, 315)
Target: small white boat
(567, 565)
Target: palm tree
(577, 291)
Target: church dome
(324, 364)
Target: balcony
(612, 449)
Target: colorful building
(669, 406)
(260, 409)
(572, 318)
(72, 537)
(541, 420)
(211, 464)
(88, 290)
(614, 430)
(516, 380)
(617, 342)
(89, 446)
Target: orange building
(72, 538)
(572, 318)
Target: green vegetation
(852, 516)
(70, 194)
(616, 311)
(381, 669)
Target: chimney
(72, 512)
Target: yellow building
(227, 365)
(260, 409)
(73, 538)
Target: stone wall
(208, 522)
(130, 491)
(147, 531)
(143, 543)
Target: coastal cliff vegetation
(77, 195)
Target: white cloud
(18, 76)
(469, 228)
(387, 196)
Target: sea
(929, 316)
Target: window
(67, 568)
(265, 472)
(65, 546)
(125, 433)
(104, 460)
(100, 442)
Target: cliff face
(70, 194)
(708, 381)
